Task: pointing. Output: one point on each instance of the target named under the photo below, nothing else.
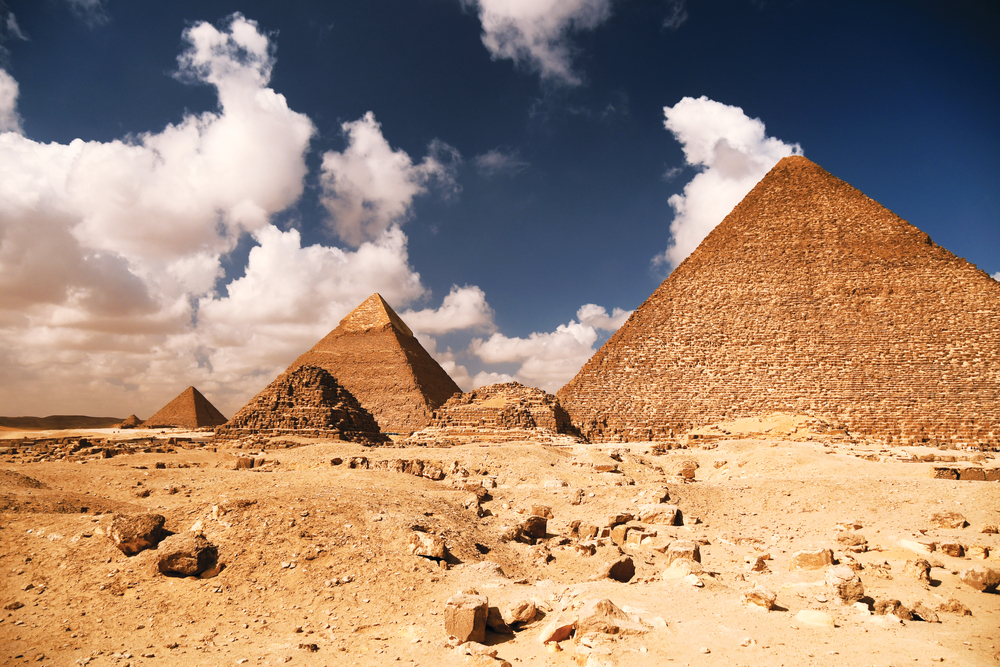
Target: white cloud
(369, 186)
(483, 379)
(548, 360)
(12, 29)
(496, 161)
(996, 276)
(536, 33)
(92, 12)
(10, 121)
(463, 308)
(676, 15)
(732, 152)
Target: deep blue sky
(900, 99)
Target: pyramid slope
(189, 410)
(808, 298)
(375, 356)
(307, 401)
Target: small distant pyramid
(189, 410)
(503, 412)
(130, 422)
(808, 298)
(308, 402)
(375, 356)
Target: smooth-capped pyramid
(189, 410)
(309, 402)
(808, 298)
(375, 356)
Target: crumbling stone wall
(808, 298)
(498, 413)
(307, 401)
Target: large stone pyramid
(808, 298)
(375, 356)
(189, 410)
(307, 401)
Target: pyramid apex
(373, 313)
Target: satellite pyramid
(375, 356)
(189, 410)
(307, 401)
(813, 299)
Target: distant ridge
(189, 410)
(375, 356)
(57, 422)
(809, 298)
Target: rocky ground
(320, 569)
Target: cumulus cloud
(496, 161)
(731, 152)
(536, 33)
(484, 378)
(996, 276)
(10, 121)
(369, 186)
(463, 308)
(549, 359)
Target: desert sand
(318, 569)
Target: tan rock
(845, 584)
(621, 570)
(918, 569)
(761, 597)
(496, 622)
(817, 619)
(953, 549)
(187, 554)
(523, 611)
(683, 550)
(132, 533)
(542, 511)
(535, 527)
(465, 617)
(947, 519)
(977, 552)
(925, 613)
(426, 545)
(981, 578)
(919, 545)
(604, 616)
(811, 559)
(894, 607)
(953, 606)
(659, 513)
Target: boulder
(947, 520)
(426, 545)
(983, 579)
(535, 527)
(132, 533)
(845, 584)
(188, 554)
(603, 616)
(683, 550)
(522, 611)
(925, 613)
(918, 569)
(761, 597)
(811, 559)
(666, 515)
(953, 606)
(920, 545)
(894, 607)
(953, 549)
(853, 542)
(496, 623)
(465, 617)
(541, 510)
(621, 570)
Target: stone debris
(845, 584)
(505, 412)
(804, 257)
(894, 607)
(465, 616)
(981, 578)
(307, 402)
(133, 533)
(426, 545)
(948, 520)
(603, 616)
(853, 542)
(520, 613)
(925, 613)
(953, 606)
(953, 549)
(683, 550)
(919, 545)
(811, 559)
(815, 618)
(621, 570)
(761, 597)
(918, 569)
(188, 554)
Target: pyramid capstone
(809, 298)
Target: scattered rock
(523, 611)
(920, 546)
(845, 584)
(603, 616)
(918, 569)
(983, 579)
(760, 596)
(666, 515)
(947, 520)
(953, 606)
(534, 527)
(188, 554)
(465, 617)
(953, 549)
(621, 570)
(133, 533)
(818, 619)
(853, 542)
(426, 545)
(924, 613)
(811, 559)
(894, 607)
(541, 510)
(496, 623)
(683, 550)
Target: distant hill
(57, 422)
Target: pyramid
(189, 410)
(307, 401)
(498, 413)
(130, 422)
(808, 298)
(375, 356)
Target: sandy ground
(316, 554)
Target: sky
(195, 192)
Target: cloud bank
(731, 152)
(536, 33)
